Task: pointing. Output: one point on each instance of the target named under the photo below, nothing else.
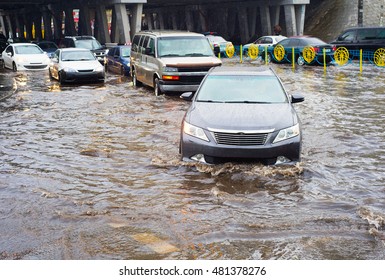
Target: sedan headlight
(99, 69)
(20, 59)
(69, 70)
(194, 131)
(170, 69)
(287, 133)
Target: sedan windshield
(241, 89)
(77, 55)
(88, 44)
(184, 46)
(28, 50)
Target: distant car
(299, 43)
(264, 41)
(241, 114)
(218, 43)
(25, 56)
(76, 65)
(118, 60)
(85, 42)
(47, 46)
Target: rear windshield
(242, 89)
(89, 44)
(184, 47)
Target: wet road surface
(93, 172)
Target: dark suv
(365, 38)
(86, 42)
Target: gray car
(241, 114)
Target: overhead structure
(118, 20)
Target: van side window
(144, 44)
(140, 45)
(135, 43)
(151, 46)
(381, 33)
(347, 36)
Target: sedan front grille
(35, 67)
(240, 138)
(86, 71)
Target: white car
(264, 41)
(25, 56)
(76, 65)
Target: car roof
(239, 71)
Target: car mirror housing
(187, 96)
(296, 98)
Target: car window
(126, 52)
(289, 43)
(241, 89)
(367, 34)
(9, 49)
(111, 52)
(311, 42)
(89, 44)
(183, 46)
(347, 36)
(381, 33)
(28, 49)
(140, 47)
(135, 43)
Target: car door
(151, 61)
(8, 57)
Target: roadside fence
(309, 55)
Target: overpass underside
(118, 20)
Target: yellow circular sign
(308, 54)
(379, 57)
(253, 51)
(230, 50)
(279, 52)
(341, 56)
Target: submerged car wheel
(60, 78)
(135, 81)
(300, 60)
(157, 89)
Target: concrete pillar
(85, 20)
(10, 33)
(189, 18)
(252, 16)
(174, 19)
(276, 12)
(69, 24)
(37, 23)
(161, 23)
(101, 18)
(203, 18)
(300, 15)
(149, 21)
(57, 22)
(122, 24)
(47, 24)
(136, 24)
(291, 24)
(3, 27)
(243, 26)
(231, 22)
(265, 20)
(27, 19)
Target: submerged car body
(76, 65)
(25, 56)
(242, 114)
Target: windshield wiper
(195, 54)
(210, 101)
(171, 54)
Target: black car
(241, 114)
(367, 39)
(85, 42)
(307, 50)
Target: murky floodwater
(92, 172)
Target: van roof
(160, 33)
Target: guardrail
(340, 56)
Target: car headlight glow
(69, 70)
(20, 59)
(99, 69)
(287, 133)
(170, 69)
(194, 131)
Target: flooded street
(93, 172)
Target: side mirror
(9, 54)
(187, 95)
(296, 98)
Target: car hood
(80, 65)
(35, 58)
(198, 61)
(242, 117)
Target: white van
(171, 61)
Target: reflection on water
(93, 172)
